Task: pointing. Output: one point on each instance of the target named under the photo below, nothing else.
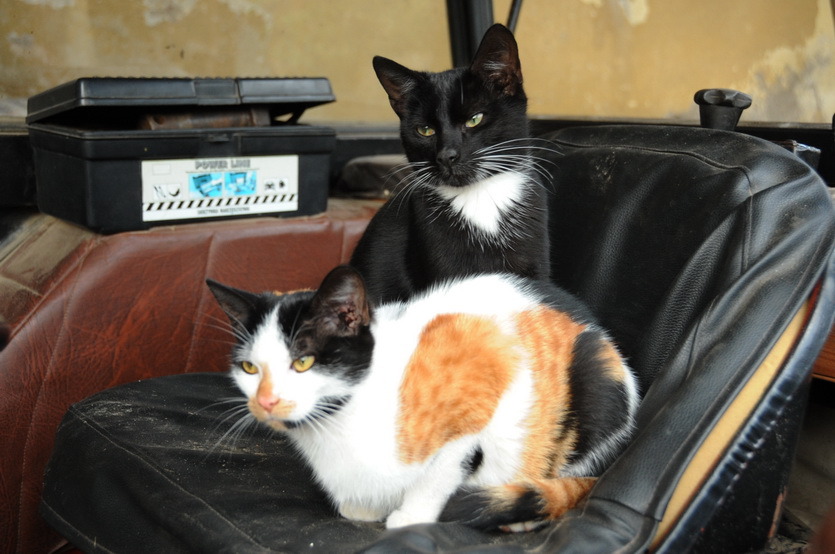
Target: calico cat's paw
(522, 527)
(357, 512)
(402, 518)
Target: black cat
(473, 202)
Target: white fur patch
(501, 442)
(491, 295)
(483, 203)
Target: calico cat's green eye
(303, 363)
(249, 367)
(474, 120)
(425, 131)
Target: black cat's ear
(497, 61)
(238, 304)
(341, 303)
(397, 81)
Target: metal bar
(468, 21)
(513, 17)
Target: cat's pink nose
(268, 401)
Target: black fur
(416, 240)
(472, 463)
(597, 403)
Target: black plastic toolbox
(121, 154)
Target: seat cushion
(136, 465)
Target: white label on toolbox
(217, 187)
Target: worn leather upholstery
(88, 312)
(707, 254)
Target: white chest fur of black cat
(485, 203)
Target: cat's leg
(424, 500)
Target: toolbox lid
(284, 95)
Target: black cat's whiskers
(519, 164)
(518, 156)
(531, 146)
(486, 163)
(421, 175)
(397, 173)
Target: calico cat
(490, 400)
(473, 202)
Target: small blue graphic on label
(206, 185)
(240, 183)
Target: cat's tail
(517, 506)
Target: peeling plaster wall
(646, 58)
(612, 58)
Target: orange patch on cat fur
(503, 498)
(559, 494)
(548, 337)
(613, 361)
(265, 404)
(453, 382)
(562, 494)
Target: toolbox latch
(213, 92)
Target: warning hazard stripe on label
(219, 207)
(218, 202)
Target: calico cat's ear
(237, 304)
(341, 303)
(497, 61)
(397, 80)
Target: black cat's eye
(303, 363)
(474, 120)
(249, 367)
(425, 131)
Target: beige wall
(615, 58)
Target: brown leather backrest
(88, 312)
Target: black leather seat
(708, 254)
